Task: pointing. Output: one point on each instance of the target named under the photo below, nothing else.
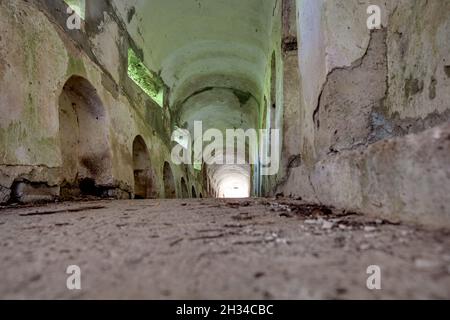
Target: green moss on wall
(75, 66)
(139, 73)
(10, 139)
(31, 44)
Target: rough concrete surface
(208, 249)
(359, 87)
(346, 88)
(405, 178)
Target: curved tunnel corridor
(225, 149)
(216, 62)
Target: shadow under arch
(84, 141)
(169, 182)
(184, 189)
(144, 176)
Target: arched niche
(143, 174)
(184, 189)
(84, 140)
(169, 182)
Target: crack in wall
(294, 161)
(315, 193)
(344, 114)
(356, 64)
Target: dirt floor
(215, 249)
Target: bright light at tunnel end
(234, 187)
(230, 155)
(213, 148)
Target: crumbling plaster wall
(418, 43)
(361, 94)
(38, 55)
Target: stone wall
(38, 55)
(367, 129)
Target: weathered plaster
(357, 88)
(30, 87)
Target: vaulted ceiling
(214, 55)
